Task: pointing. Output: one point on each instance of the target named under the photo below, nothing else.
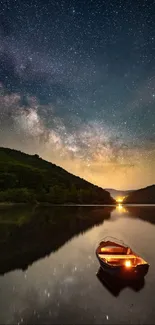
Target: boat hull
(120, 271)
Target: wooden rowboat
(118, 259)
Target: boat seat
(114, 250)
(114, 256)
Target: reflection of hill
(146, 213)
(142, 196)
(35, 234)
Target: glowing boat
(118, 259)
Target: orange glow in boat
(128, 263)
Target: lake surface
(48, 265)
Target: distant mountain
(29, 178)
(118, 193)
(142, 196)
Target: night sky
(77, 86)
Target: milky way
(77, 86)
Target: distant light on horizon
(119, 199)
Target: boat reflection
(115, 285)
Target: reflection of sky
(63, 288)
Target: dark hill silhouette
(142, 196)
(29, 178)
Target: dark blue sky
(78, 85)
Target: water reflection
(121, 208)
(146, 213)
(61, 287)
(116, 285)
(29, 234)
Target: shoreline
(10, 204)
(46, 204)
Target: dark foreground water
(48, 266)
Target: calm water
(48, 268)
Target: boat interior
(118, 255)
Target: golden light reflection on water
(121, 208)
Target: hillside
(142, 196)
(29, 178)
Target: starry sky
(77, 86)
